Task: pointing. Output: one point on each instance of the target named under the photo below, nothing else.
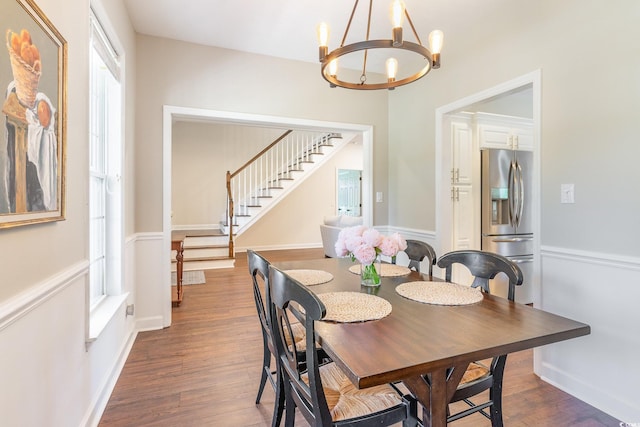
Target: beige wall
(219, 79)
(590, 104)
(201, 155)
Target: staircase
(254, 189)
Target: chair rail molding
(22, 304)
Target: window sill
(100, 317)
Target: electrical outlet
(567, 193)
(130, 309)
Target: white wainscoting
(45, 362)
(602, 291)
(151, 277)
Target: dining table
(426, 346)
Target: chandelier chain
(415, 33)
(346, 30)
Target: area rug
(195, 277)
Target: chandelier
(426, 58)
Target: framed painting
(33, 68)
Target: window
(105, 170)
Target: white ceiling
(286, 28)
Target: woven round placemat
(440, 293)
(349, 307)
(388, 270)
(310, 277)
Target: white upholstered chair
(330, 229)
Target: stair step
(207, 240)
(209, 264)
(206, 247)
(207, 252)
(208, 258)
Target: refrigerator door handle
(512, 206)
(522, 259)
(512, 239)
(520, 195)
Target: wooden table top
(418, 338)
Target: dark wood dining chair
(259, 270)
(417, 251)
(478, 377)
(322, 393)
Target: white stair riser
(208, 264)
(192, 241)
(191, 253)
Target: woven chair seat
(474, 372)
(299, 336)
(345, 401)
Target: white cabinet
(504, 132)
(464, 180)
(462, 153)
(463, 217)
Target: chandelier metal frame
(432, 60)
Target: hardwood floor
(204, 369)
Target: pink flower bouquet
(365, 245)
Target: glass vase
(370, 274)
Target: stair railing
(255, 179)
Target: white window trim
(98, 317)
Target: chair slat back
(484, 266)
(417, 251)
(259, 271)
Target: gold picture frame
(33, 79)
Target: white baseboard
(149, 323)
(96, 409)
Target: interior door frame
(173, 113)
(443, 164)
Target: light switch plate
(379, 197)
(567, 193)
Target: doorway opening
(349, 192)
(172, 114)
(501, 96)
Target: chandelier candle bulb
(333, 68)
(436, 37)
(322, 32)
(392, 69)
(397, 16)
(397, 13)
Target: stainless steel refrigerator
(506, 214)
